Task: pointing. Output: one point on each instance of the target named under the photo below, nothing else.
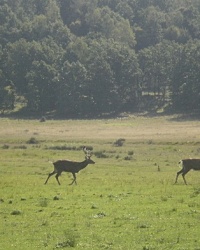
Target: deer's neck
(83, 164)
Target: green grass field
(121, 202)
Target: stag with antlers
(70, 166)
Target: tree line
(86, 58)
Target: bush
(32, 140)
(16, 212)
(62, 147)
(43, 202)
(127, 158)
(70, 239)
(20, 147)
(100, 154)
(119, 142)
(66, 147)
(43, 119)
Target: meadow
(127, 200)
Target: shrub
(149, 142)
(100, 154)
(62, 147)
(70, 239)
(119, 142)
(67, 147)
(16, 212)
(43, 202)
(32, 140)
(127, 158)
(43, 119)
(20, 147)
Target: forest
(90, 58)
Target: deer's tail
(51, 162)
(180, 163)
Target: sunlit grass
(124, 201)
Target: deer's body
(187, 165)
(69, 166)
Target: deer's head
(88, 155)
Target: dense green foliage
(92, 57)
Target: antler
(87, 152)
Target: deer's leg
(74, 180)
(58, 174)
(49, 176)
(177, 175)
(183, 175)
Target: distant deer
(70, 166)
(187, 165)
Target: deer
(70, 166)
(187, 165)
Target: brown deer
(70, 166)
(187, 165)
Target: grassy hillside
(124, 201)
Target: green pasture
(127, 200)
